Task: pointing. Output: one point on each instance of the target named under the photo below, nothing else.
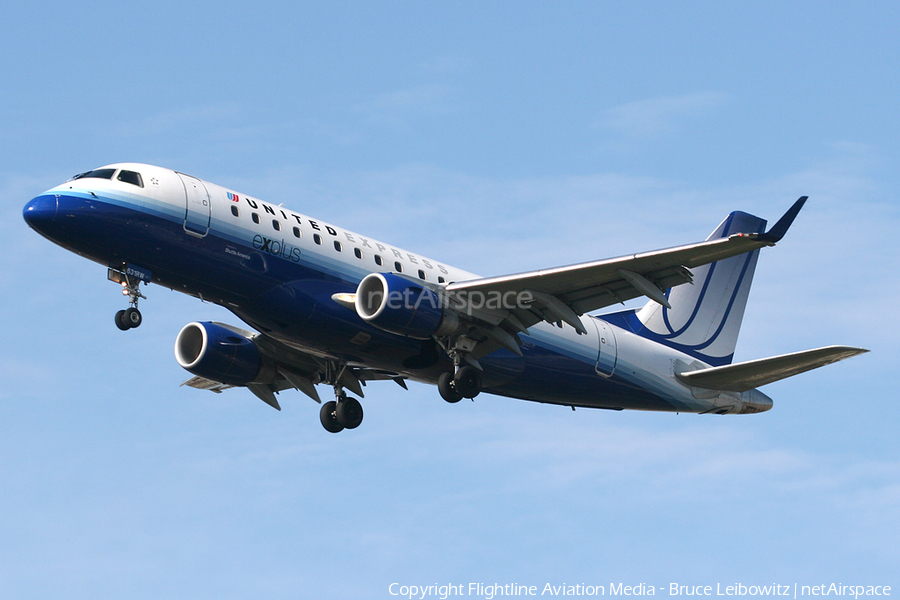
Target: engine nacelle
(219, 353)
(403, 306)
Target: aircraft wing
(745, 376)
(562, 294)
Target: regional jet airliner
(326, 305)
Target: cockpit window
(97, 174)
(132, 177)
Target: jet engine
(218, 352)
(403, 306)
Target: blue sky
(499, 138)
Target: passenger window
(235, 211)
(132, 177)
(255, 217)
(337, 246)
(421, 274)
(297, 232)
(276, 224)
(398, 267)
(317, 238)
(357, 252)
(378, 260)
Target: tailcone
(754, 401)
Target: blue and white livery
(330, 306)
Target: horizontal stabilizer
(745, 376)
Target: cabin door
(197, 206)
(606, 359)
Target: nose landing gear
(130, 317)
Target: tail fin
(706, 316)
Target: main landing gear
(130, 317)
(341, 413)
(465, 383)
(465, 379)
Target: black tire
(133, 317)
(121, 323)
(349, 413)
(467, 382)
(447, 390)
(326, 416)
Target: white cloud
(399, 108)
(180, 119)
(659, 116)
(445, 64)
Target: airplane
(330, 306)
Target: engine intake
(219, 353)
(403, 306)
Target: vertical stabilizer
(705, 317)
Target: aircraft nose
(40, 211)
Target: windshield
(96, 173)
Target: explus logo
(277, 248)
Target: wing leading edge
(562, 294)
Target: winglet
(778, 230)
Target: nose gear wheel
(128, 319)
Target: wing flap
(741, 377)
